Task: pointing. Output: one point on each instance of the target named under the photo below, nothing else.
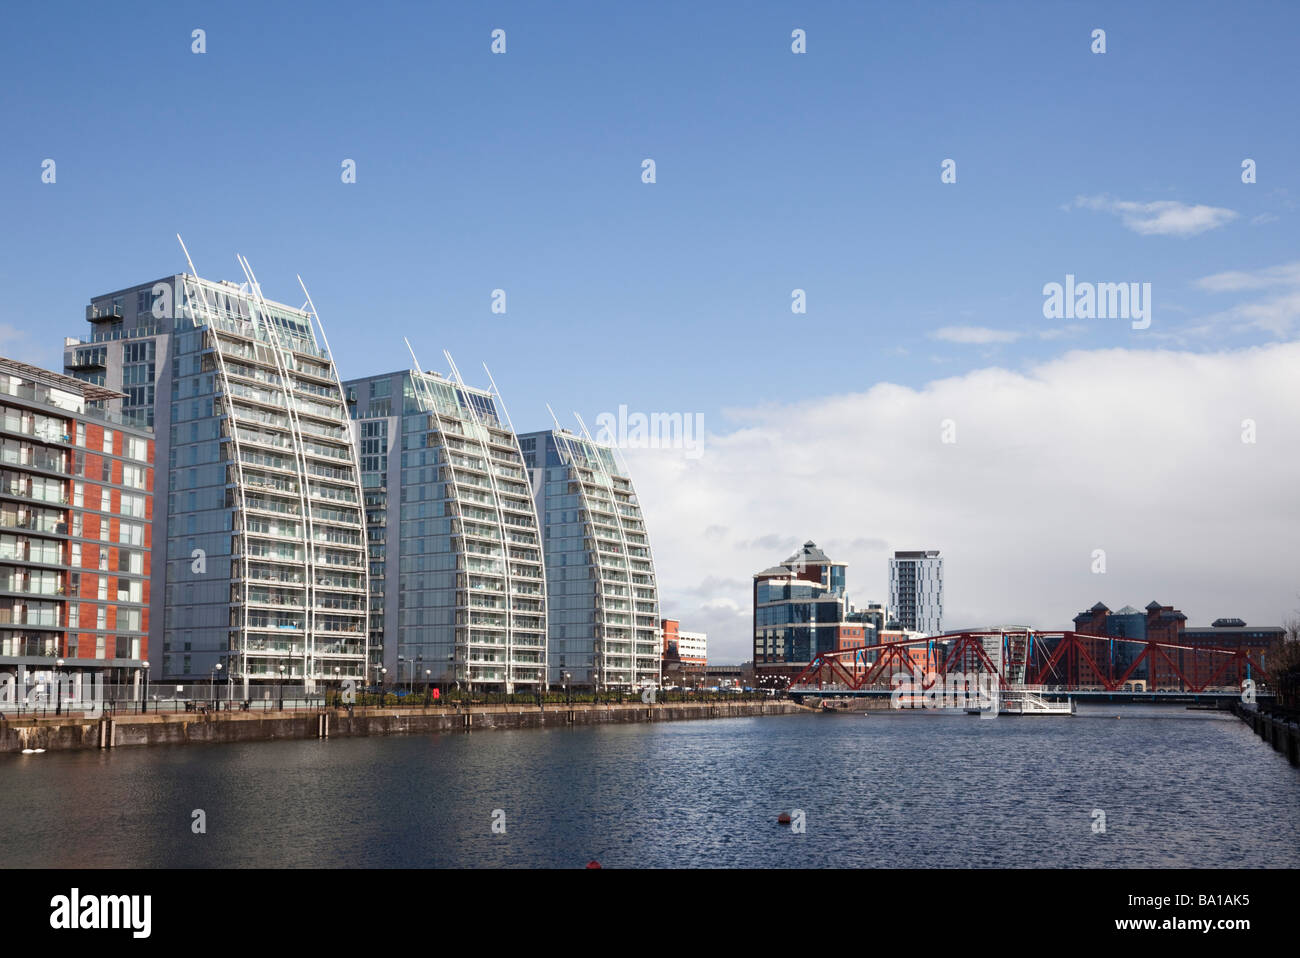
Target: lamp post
(339, 681)
(58, 687)
(567, 700)
(428, 677)
(282, 687)
(383, 677)
(144, 688)
(216, 670)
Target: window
(108, 440)
(137, 449)
(140, 374)
(139, 396)
(81, 434)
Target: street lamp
(567, 701)
(144, 689)
(282, 687)
(337, 670)
(58, 686)
(428, 677)
(216, 670)
(383, 678)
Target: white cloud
(1278, 314)
(987, 336)
(977, 335)
(1063, 332)
(1287, 274)
(1160, 217)
(1135, 452)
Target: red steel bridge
(1055, 661)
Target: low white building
(693, 647)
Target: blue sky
(522, 172)
(775, 171)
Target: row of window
(78, 647)
(139, 352)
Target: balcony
(41, 525)
(32, 618)
(103, 312)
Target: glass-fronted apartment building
(801, 610)
(458, 588)
(265, 571)
(604, 600)
(75, 538)
(916, 591)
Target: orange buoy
(783, 818)
(593, 864)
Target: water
(1178, 788)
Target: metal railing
(44, 701)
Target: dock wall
(178, 728)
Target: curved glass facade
(604, 600)
(453, 527)
(473, 591)
(266, 548)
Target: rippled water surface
(1178, 788)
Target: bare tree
(1286, 653)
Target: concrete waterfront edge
(1279, 730)
(171, 728)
